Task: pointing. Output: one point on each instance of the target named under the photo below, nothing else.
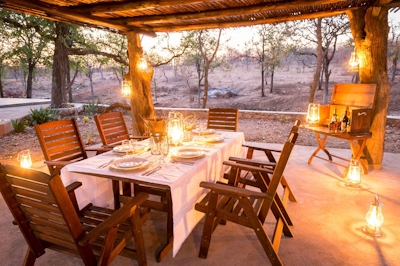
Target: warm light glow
(126, 88)
(24, 158)
(354, 63)
(313, 114)
(353, 175)
(175, 128)
(374, 218)
(142, 65)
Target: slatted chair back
(247, 207)
(112, 128)
(61, 141)
(47, 217)
(223, 119)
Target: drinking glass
(126, 146)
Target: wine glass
(126, 146)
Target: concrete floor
(328, 219)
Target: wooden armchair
(288, 193)
(223, 119)
(112, 129)
(61, 144)
(48, 217)
(231, 202)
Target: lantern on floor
(126, 88)
(24, 159)
(374, 218)
(313, 114)
(175, 128)
(353, 62)
(353, 173)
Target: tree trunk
(205, 94)
(262, 80)
(327, 74)
(1, 88)
(60, 59)
(370, 31)
(141, 98)
(272, 79)
(29, 80)
(394, 68)
(318, 68)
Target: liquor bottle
(332, 124)
(345, 120)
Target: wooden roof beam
(98, 9)
(58, 13)
(228, 12)
(251, 22)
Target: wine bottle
(345, 120)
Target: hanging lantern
(24, 158)
(142, 65)
(175, 128)
(374, 218)
(353, 173)
(354, 64)
(126, 88)
(313, 114)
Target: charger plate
(211, 139)
(129, 164)
(121, 149)
(204, 132)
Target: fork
(182, 162)
(106, 164)
(151, 171)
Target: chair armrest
(232, 191)
(71, 187)
(259, 148)
(248, 167)
(118, 217)
(59, 164)
(252, 161)
(98, 150)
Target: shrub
(19, 125)
(40, 116)
(92, 108)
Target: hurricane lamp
(24, 159)
(353, 62)
(374, 218)
(126, 88)
(353, 173)
(175, 128)
(313, 114)
(142, 65)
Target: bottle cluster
(339, 124)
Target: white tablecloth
(182, 179)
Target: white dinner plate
(129, 163)
(188, 153)
(212, 139)
(121, 149)
(204, 132)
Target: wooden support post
(141, 98)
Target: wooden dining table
(182, 179)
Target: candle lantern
(142, 65)
(24, 159)
(353, 62)
(126, 88)
(374, 218)
(175, 128)
(313, 114)
(353, 173)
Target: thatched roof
(148, 17)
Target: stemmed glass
(126, 146)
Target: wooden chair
(223, 119)
(288, 193)
(246, 207)
(62, 144)
(48, 216)
(112, 129)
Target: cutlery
(106, 164)
(155, 169)
(182, 162)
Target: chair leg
(30, 258)
(138, 239)
(208, 226)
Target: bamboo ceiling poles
(370, 31)
(141, 99)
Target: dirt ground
(236, 87)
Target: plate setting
(188, 153)
(204, 132)
(129, 164)
(215, 138)
(137, 149)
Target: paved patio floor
(328, 219)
